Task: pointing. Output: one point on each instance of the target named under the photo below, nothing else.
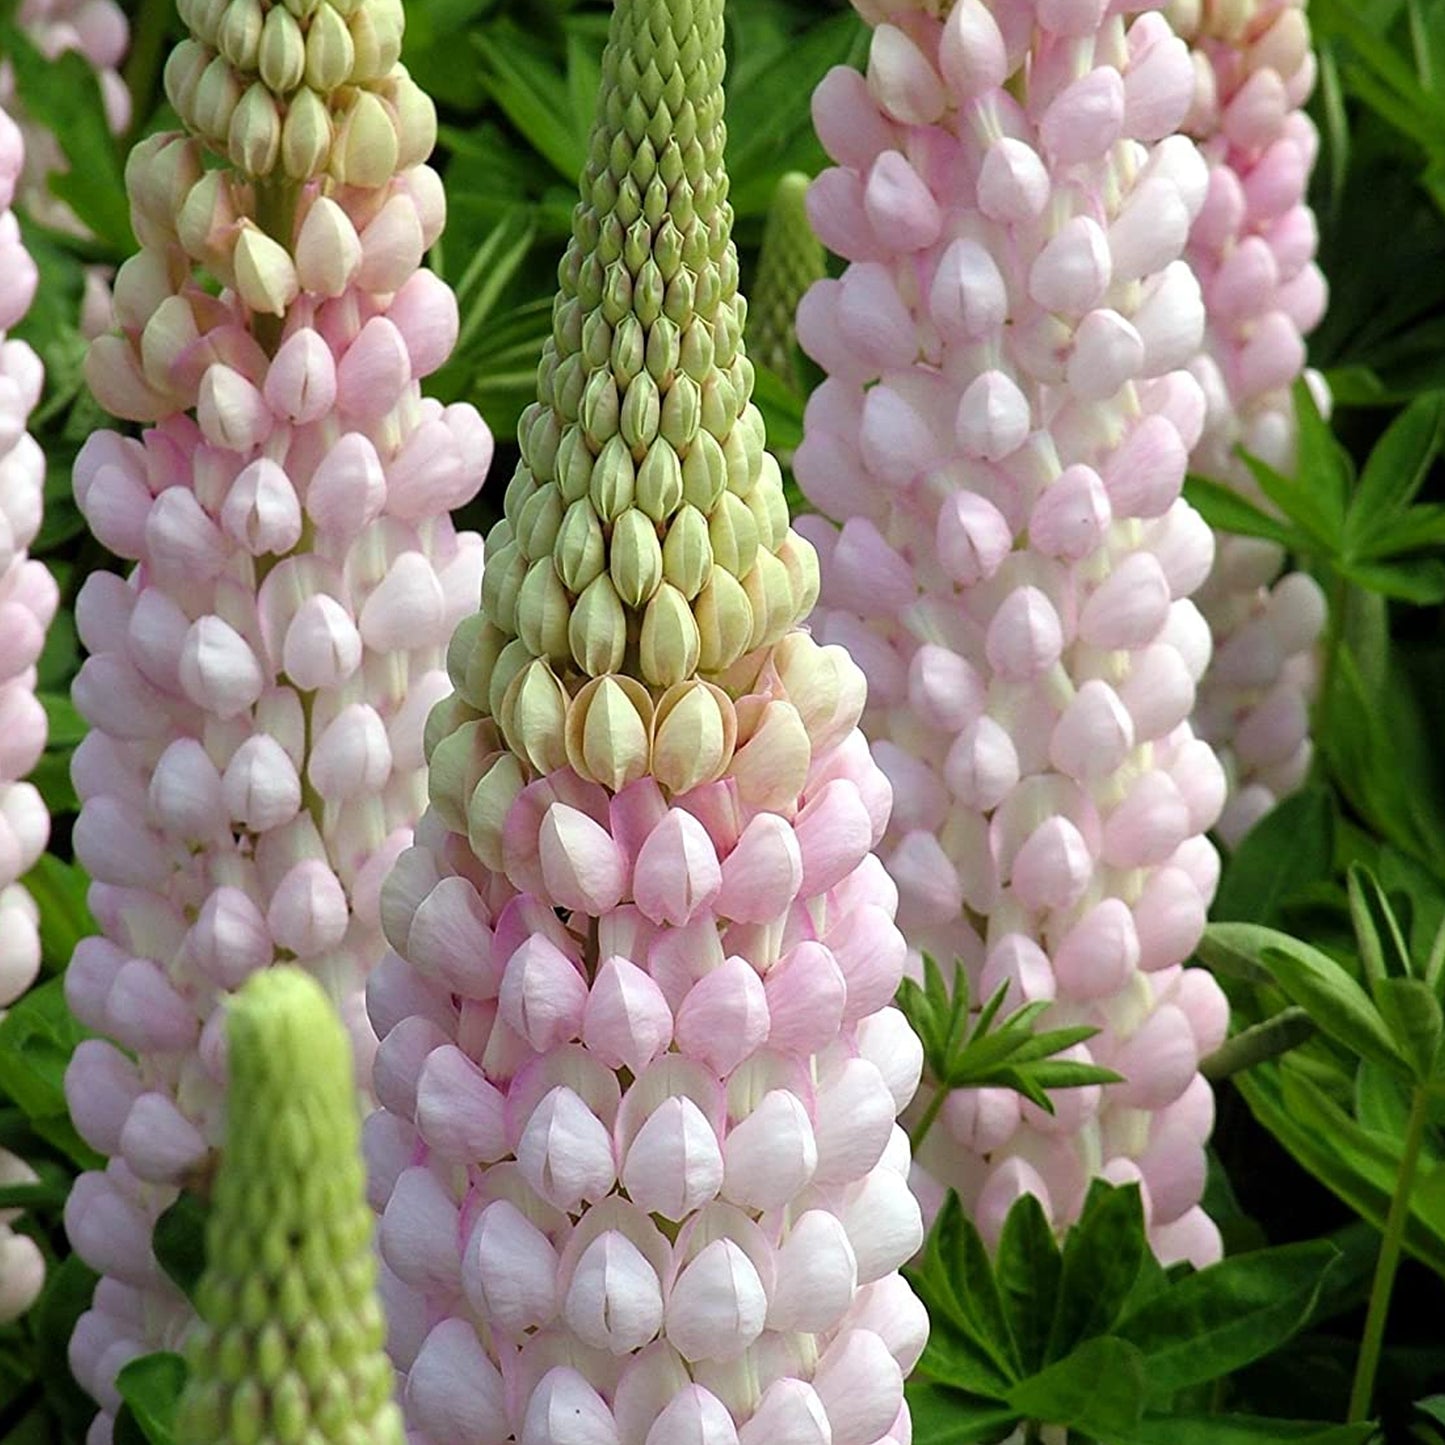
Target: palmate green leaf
(1311, 979)
(1323, 466)
(1308, 510)
(1383, 950)
(526, 84)
(1028, 1266)
(1396, 470)
(59, 891)
(1419, 529)
(1412, 1014)
(1357, 1165)
(1291, 847)
(1172, 1429)
(37, 1037)
(950, 1417)
(151, 1386)
(1418, 580)
(1216, 1321)
(1104, 1255)
(1099, 1389)
(1226, 511)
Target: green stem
(1255, 1045)
(919, 1132)
(1373, 1339)
(1339, 601)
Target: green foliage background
(1310, 1141)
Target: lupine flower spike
(1002, 440)
(1252, 246)
(289, 1342)
(790, 260)
(638, 1161)
(257, 688)
(28, 599)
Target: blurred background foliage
(1309, 1141)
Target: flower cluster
(28, 599)
(289, 1344)
(1002, 439)
(638, 1161)
(96, 29)
(1252, 247)
(257, 687)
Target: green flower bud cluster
(790, 260)
(289, 1346)
(292, 89)
(645, 552)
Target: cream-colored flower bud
(204, 17)
(679, 301)
(687, 555)
(704, 473)
(669, 645)
(365, 151)
(733, 531)
(628, 352)
(281, 57)
(330, 51)
(662, 351)
(534, 717)
(159, 174)
(614, 480)
(328, 250)
(823, 683)
(693, 735)
(206, 224)
(641, 412)
(144, 281)
(376, 29)
(616, 296)
(488, 806)
(695, 353)
(800, 557)
(306, 136)
(416, 121)
(580, 550)
(649, 291)
(543, 611)
(773, 755)
(720, 405)
(304, 9)
(568, 384)
(635, 558)
(541, 439)
(600, 408)
(609, 731)
(265, 274)
(501, 582)
(481, 664)
(574, 464)
(770, 592)
(442, 721)
(457, 764)
(724, 621)
(511, 660)
(681, 412)
(740, 473)
(659, 482)
(464, 639)
(239, 37)
(769, 504)
(167, 336)
(185, 66)
(597, 631)
(597, 336)
(217, 96)
(254, 139)
(539, 520)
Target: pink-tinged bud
(308, 913)
(509, 1271)
(967, 297)
(424, 310)
(1086, 118)
(626, 1022)
(261, 510)
(406, 609)
(542, 996)
(1073, 270)
(564, 1152)
(901, 80)
(614, 1300)
(771, 1155)
(1013, 185)
(158, 1142)
(565, 1410)
(1160, 82)
(453, 1391)
(896, 198)
(867, 575)
(717, 1305)
(229, 940)
(374, 371)
(101, 1084)
(301, 382)
(418, 1234)
(218, 669)
(860, 1386)
(1129, 607)
(1109, 351)
(789, 1413)
(144, 1011)
(724, 1017)
(674, 1165)
(972, 55)
(993, 417)
(1052, 868)
(677, 870)
(348, 488)
(231, 412)
(762, 874)
(583, 868)
(872, 318)
(1025, 637)
(322, 647)
(185, 792)
(1144, 476)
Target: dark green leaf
(525, 83)
(1383, 950)
(1103, 1253)
(1420, 580)
(1289, 848)
(1028, 1267)
(1311, 979)
(1304, 507)
(950, 1417)
(179, 1241)
(69, 1286)
(151, 1387)
(1226, 511)
(1322, 465)
(1222, 1318)
(59, 889)
(37, 1037)
(1172, 1429)
(1396, 469)
(1412, 1014)
(1100, 1389)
